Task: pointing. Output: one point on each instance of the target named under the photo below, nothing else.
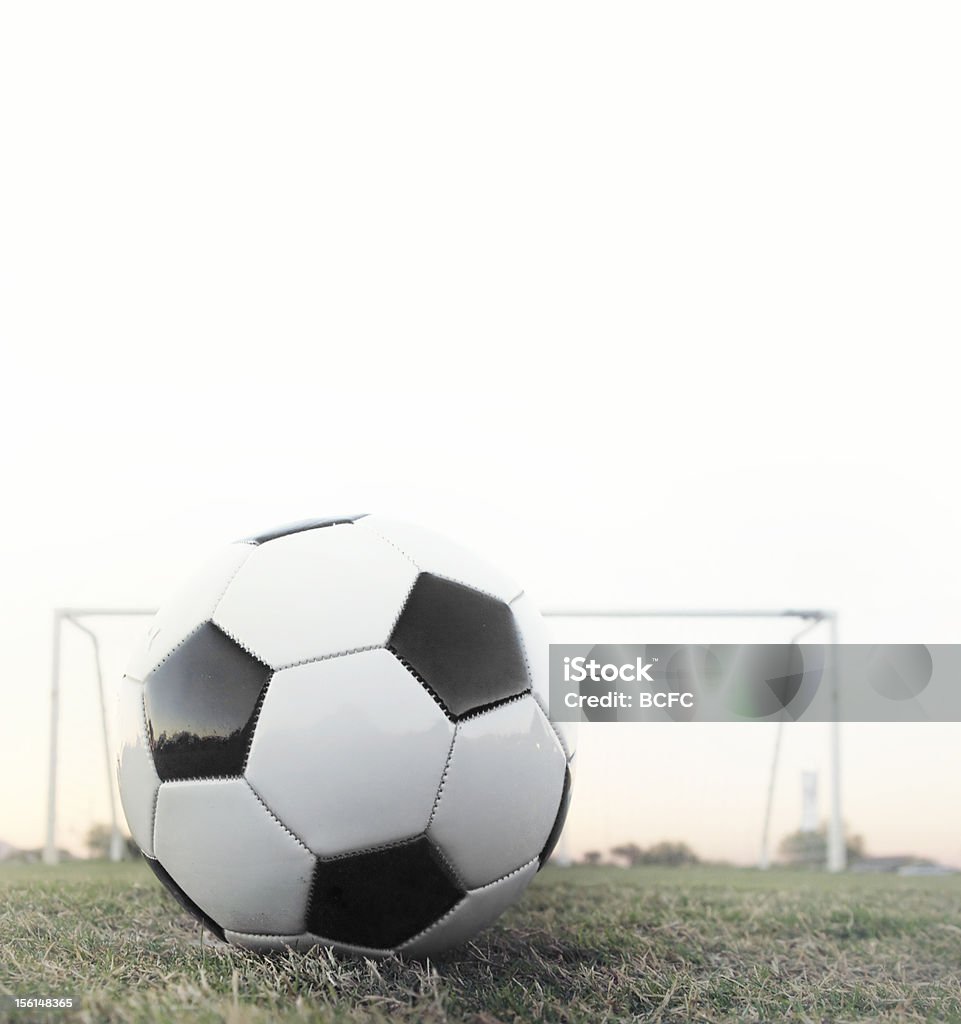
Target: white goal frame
(76, 617)
(836, 848)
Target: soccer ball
(338, 733)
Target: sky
(650, 305)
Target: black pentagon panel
(201, 705)
(300, 527)
(558, 825)
(461, 643)
(182, 898)
(381, 898)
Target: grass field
(585, 945)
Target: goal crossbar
(75, 617)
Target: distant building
(10, 854)
(927, 869)
(904, 864)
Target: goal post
(77, 617)
(836, 849)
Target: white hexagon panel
(500, 799)
(316, 593)
(349, 752)
(442, 557)
(231, 857)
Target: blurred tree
(670, 853)
(98, 843)
(809, 849)
(592, 857)
(630, 852)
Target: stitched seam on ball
(547, 717)
(443, 778)
(230, 580)
(439, 575)
(527, 661)
(470, 586)
(329, 657)
(451, 867)
(434, 924)
(467, 894)
(330, 858)
(437, 923)
(293, 835)
(503, 878)
(396, 547)
(336, 945)
(256, 719)
(241, 644)
(400, 610)
(202, 778)
(311, 889)
(423, 682)
(267, 935)
(177, 646)
(493, 705)
(537, 701)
